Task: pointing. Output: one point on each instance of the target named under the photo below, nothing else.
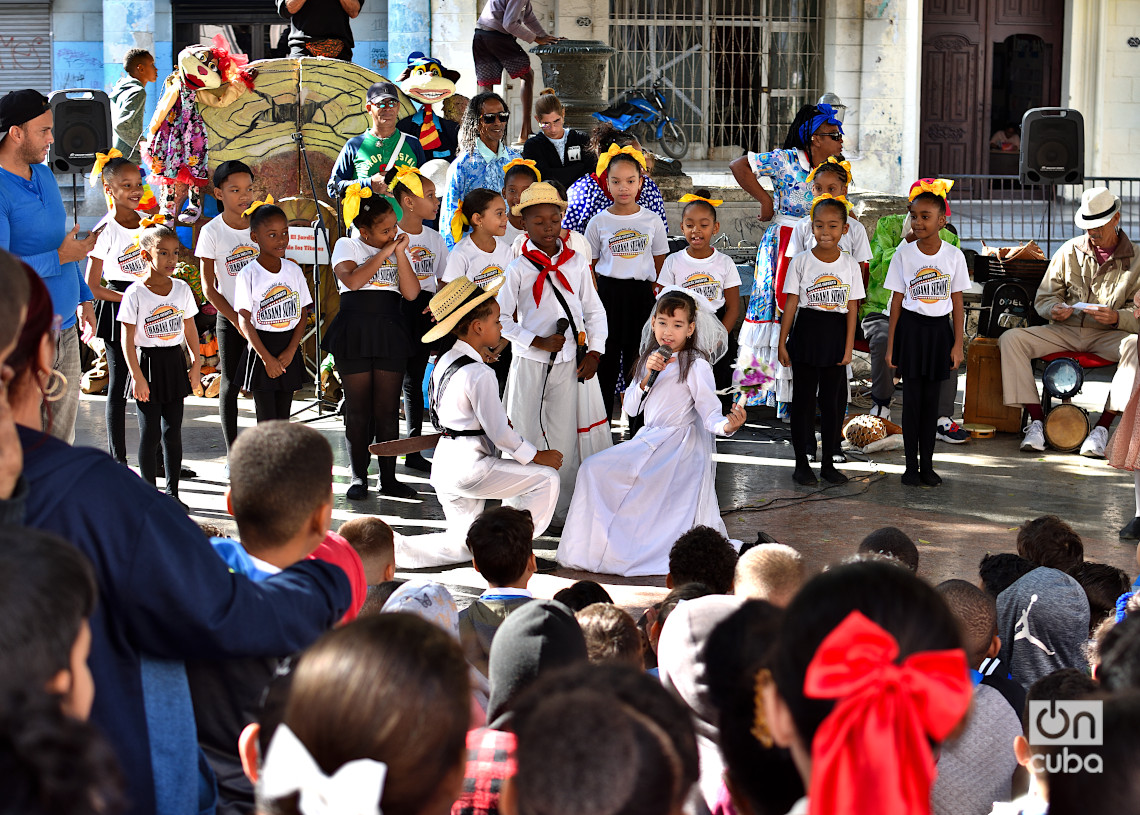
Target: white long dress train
(632, 501)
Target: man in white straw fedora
(1087, 297)
(464, 406)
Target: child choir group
(574, 317)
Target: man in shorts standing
(495, 49)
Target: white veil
(712, 338)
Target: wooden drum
(1066, 427)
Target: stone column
(409, 29)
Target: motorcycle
(648, 112)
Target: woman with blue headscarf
(815, 134)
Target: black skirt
(369, 332)
(922, 346)
(818, 338)
(107, 325)
(254, 377)
(165, 372)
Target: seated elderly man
(1098, 271)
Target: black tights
(371, 412)
(920, 421)
(414, 390)
(160, 423)
(115, 411)
(230, 345)
(270, 405)
(806, 381)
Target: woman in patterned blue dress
(587, 197)
(814, 135)
(483, 154)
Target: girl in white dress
(633, 501)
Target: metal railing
(999, 210)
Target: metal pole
(319, 231)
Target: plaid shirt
(490, 760)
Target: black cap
(20, 107)
(382, 90)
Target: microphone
(664, 351)
(559, 328)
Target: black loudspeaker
(81, 124)
(1052, 147)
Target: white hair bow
(354, 789)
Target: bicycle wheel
(674, 143)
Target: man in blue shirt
(33, 226)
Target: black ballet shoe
(416, 461)
(832, 475)
(357, 491)
(1132, 531)
(804, 476)
(911, 478)
(398, 489)
(930, 478)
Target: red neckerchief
(602, 186)
(546, 265)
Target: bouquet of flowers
(751, 377)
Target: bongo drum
(1066, 426)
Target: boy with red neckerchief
(549, 283)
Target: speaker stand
(75, 197)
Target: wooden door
(952, 99)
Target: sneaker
(1094, 444)
(1132, 531)
(950, 432)
(881, 411)
(1034, 437)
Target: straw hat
(538, 193)
(450, 303)
(1098, 206)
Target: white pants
(542, 402)
(465, 477)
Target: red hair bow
(231, 66)
(872, 753)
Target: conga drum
(1066, 427)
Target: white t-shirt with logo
(386, 278)
(927, 281)
(428, 255)
(709, 276)
(482, 268)
(624, 246)
(824, 286)
(158, 320)
(854, 241)
(120, 252)
(230, 249)
(275, 302)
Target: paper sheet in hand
(1085, 306)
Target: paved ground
(990, 487)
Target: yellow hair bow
(411, 178)
(846, 165)
(458, 222)
(939, 186)
(605, 158)
(522, 162)
(101, 160)
(256, 204)
(352, 198)
(689, 197)
(829, 197)
(157, 220)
